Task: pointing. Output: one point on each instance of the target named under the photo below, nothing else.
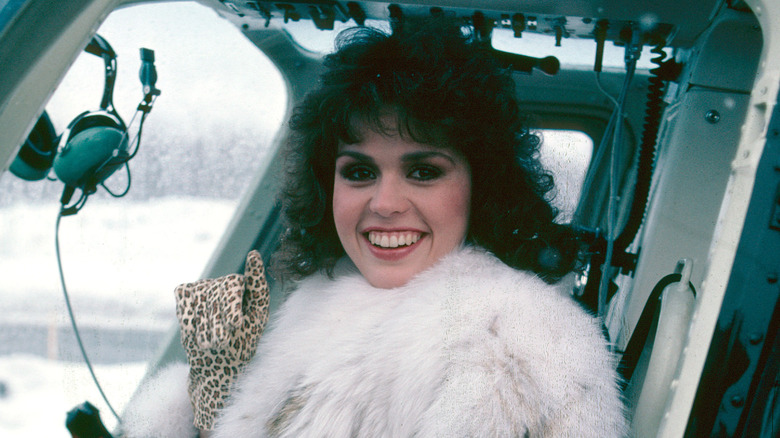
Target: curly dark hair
(443, 87)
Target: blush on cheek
(458, 202)
(345, 215)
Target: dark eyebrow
(355, 155)
(422, 155)
(407, 158)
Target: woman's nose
(389, 197)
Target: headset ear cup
(36, 155)
(95, 148)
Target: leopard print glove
(221, 321)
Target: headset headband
(100, 47)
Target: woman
(412, 160)
(421, 248)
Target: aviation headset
(95, 144)
(36, 155)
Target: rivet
(712, 116)
(737, 401)
(772, 278)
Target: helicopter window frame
(123, 258)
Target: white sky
(240, 90)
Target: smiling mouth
(394, 239)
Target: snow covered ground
(122, 260)
(39, 392)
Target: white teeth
(392, 240)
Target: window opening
(222, 102)
(566, 154)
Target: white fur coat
(468, 348)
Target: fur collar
(469, 347)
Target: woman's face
(399, 206)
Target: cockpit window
(566, 155)
(221, 104)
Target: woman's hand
(221, 321)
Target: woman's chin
(388, 278)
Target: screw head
(712, 116)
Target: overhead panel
(675, 21)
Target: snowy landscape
(121, 261)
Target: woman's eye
(424, 173)
(357, 173)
